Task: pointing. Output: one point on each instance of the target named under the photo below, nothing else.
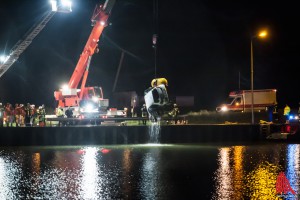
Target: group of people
(61, 113)
(21, 115)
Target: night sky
(203, 49)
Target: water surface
(198, 171)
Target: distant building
(185, 101)
(125, 99)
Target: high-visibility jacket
(59, 112)
(286, 110)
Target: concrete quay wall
(109, 135)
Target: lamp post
(252, 96)
(261, 34)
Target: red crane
(87, 99)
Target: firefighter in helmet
(174, 113)
(41, 113)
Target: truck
(241, 101)
(85, 101)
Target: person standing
(1, 115)
(41, 115)
(60, 114)
(17, 115)
(174, 113)
(144, 114)
(22, 115)
(125, 112)
(33, 115)
(27, 114)
(9, 114)
(286, 113)
(69, 114)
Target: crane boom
(99, 21)
(23, 43)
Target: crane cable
(155, 34)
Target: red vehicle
(86, 101)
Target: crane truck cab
(241, 100)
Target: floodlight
(95, 99)
(54, 5)
(66, 5)
(3, 58)
(65, 87)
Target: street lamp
(261, 34)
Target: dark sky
(203, 49)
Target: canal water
(187, 171)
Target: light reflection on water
(292, 168)
(90, 175)
(224, 185)
(250, 172)
(9, 173)
(154, 171)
